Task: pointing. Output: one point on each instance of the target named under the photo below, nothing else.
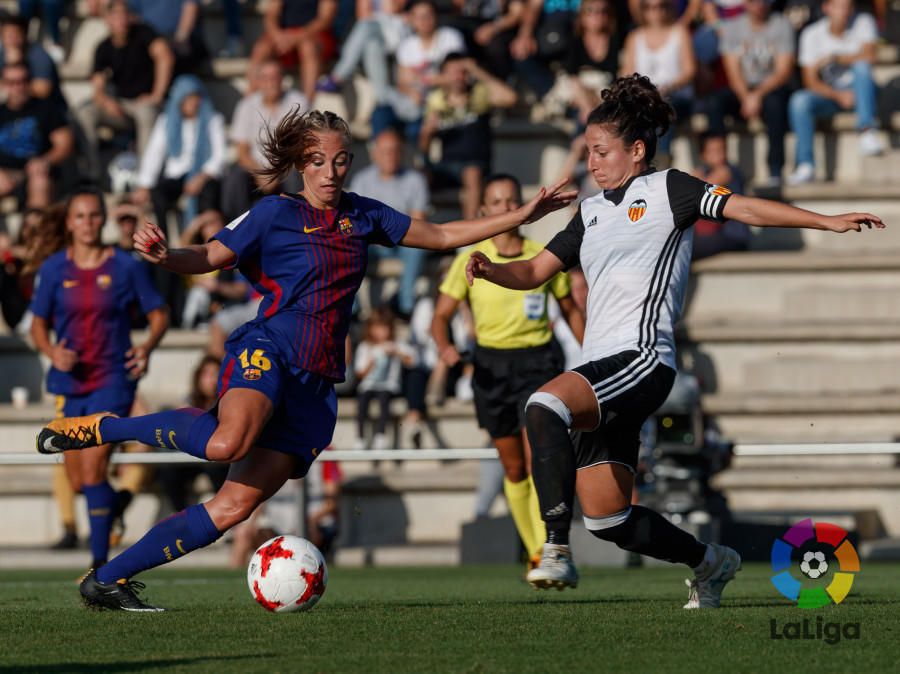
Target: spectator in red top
(299, 31)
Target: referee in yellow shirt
(513, 354)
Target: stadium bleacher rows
(798, 340)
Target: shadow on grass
(86, 667)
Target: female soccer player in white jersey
(633, 241)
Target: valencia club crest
(637, 209)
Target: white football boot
(555, 569)
(720, 565)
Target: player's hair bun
(636, 110)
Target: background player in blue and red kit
(85, 294)
(306, 254)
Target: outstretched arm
(422, 234)
(765, 213)
(518, 275)
(150, 242)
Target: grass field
(467, 619)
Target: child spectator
(299, 31)
(458, 113)
(711, 237)
(185, 155)
(132, 71)
(661, 49)
(758, 56)
(836, 56)
(34, 141)
(419, 58)
(256, 112)
(378, 362)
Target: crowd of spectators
(150, 132)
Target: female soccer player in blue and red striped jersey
(306, 254)
(85, 294)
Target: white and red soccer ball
(287, 573)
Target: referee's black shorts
(503, 381)
(630, 386)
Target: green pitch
(445, 620)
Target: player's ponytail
(287, 147)
(635, 110)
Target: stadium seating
(798, 340)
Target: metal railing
(163, 458)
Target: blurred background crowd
(166, 117)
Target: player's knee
(227, 447)
(231, 510)
(515, 471)
(544, 412)
(613, 527)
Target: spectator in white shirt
(264, 108)
(836, 57)
(185, 154)
(419, 59)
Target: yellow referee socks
(537, 524)
(518, 496)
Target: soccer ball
(814, 564)
(287, 573)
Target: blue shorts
(305, 404)
(117, 399)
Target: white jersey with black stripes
(634, 246)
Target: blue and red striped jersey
(308, 264)
(91, 310)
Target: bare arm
(163, 63)
(422, 234)
(324, 19)
(518, 275)
(687, 60)
(573, 316)
(501, 94)
(151, 243)
(765, 213)
(444, 309)
(781, 74)
(814, 83)
(62, 142)
(190, 11)
(41, 88)
(61, 358)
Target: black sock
(553, 470)
(649, 533)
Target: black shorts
(503, 381)
(629, 387)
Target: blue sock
(101, 504)
(187, 430)
(170, 539)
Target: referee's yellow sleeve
(561, 285)
(454, 283)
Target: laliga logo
(813, 563)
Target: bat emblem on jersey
(718, 190)
(346, 227)
(637, 209)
